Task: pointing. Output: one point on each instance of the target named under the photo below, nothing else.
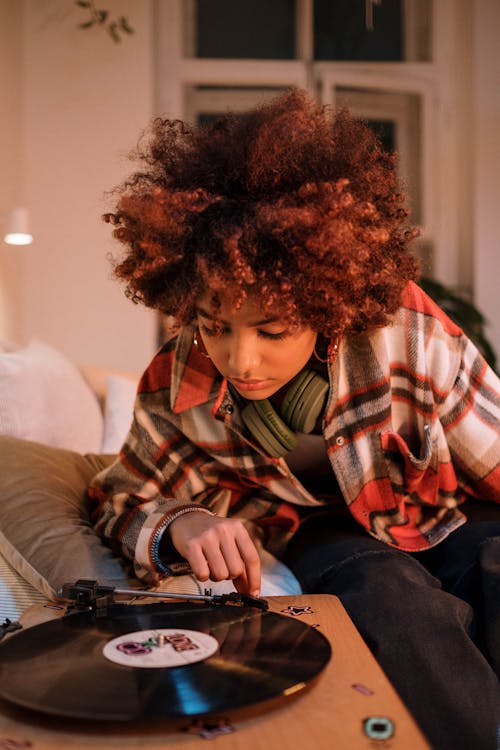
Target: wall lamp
(17, 227)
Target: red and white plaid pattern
(411, 427)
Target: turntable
(230, 668)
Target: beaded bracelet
(163, 526)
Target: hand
(218, 548)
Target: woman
(314, 401)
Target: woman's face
(258, 354)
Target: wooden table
(351, 705)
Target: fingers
(251, 557)
(197, 562)
(219, 549)
(231, 554)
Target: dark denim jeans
(431, 619)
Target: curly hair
(290, 201)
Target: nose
(243, 356)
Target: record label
(165, 647)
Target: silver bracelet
(163, 526)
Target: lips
(250, 385)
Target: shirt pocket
(413, 476)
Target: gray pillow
(45, 530)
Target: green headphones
(300, 410)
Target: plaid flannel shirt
(411, 427)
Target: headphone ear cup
(304, 401)
(268, 428)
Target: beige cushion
(45, 531)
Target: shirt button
(229, 409)
(340, 440)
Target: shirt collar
(195, 379)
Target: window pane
(203, 104)
(245, 29)
(386, 131)
(396, 118)
(400, 30)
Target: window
(234, 29)
(388, 30)
(398, 64)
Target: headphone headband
(300, 410)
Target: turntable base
(350, 705)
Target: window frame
(441, 84)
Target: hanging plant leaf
(100, 17)
(125, 26)
(112, 29)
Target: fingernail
(255, 593)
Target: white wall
(11, 161)
(73, 104)
(486, 104)
(86, 100)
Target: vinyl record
(156, 661)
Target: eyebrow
(255, 324)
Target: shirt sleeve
(157, 473)
(470, 415)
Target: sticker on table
(208, 729)
(362, 688)
(297, 611)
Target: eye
(273, 336)
(212, 331)
(206, 330)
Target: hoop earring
(323, 342)
(197, 345)
(320, 359)
(334, 351)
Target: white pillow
(118, 411)
(44, 398)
